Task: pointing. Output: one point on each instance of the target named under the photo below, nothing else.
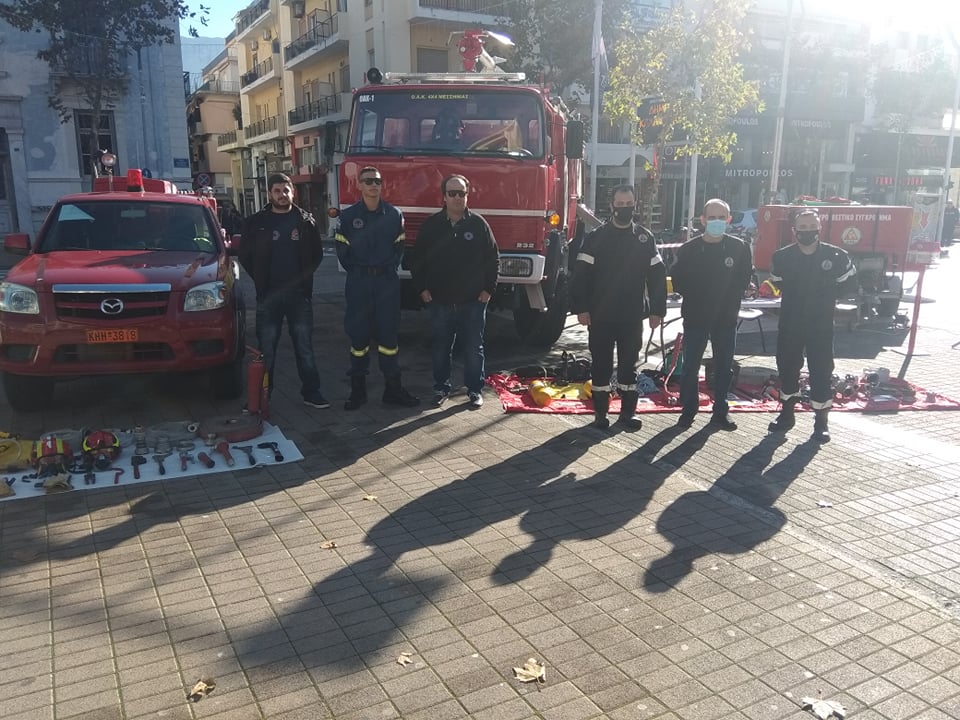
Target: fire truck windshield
(463, 121)
(135, 225)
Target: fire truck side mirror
(17, 244)
(233, 244)
(575, 137)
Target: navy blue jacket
(370, 238)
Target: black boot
(821, 433)
(395, 394)
(628, 419)
(785, 420)
(601, 404)
(358, 392)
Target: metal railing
(261, 69)
(317, 35)
(487, 7)
(261, 127)
(197, 84)
(327, 105)
(250, 15)
(227, 138)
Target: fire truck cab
(515, 144)
(134, 277)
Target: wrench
(159, 460)
(117, 472)
(224, 449)
(277, 455)
(185, 458)
(137, 461)
(248, 449)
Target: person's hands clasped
(426, 297)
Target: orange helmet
(769, 290)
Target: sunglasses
(457, 193)
(372, 181)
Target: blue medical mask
(716, 228)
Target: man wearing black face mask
(618, 280)
(811, 276)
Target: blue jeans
(463, 323)
(723, 340)
(298, 310)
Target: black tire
(26, 393)
(227, 381)
(543, 329)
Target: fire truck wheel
(543, 329)
(26, 393)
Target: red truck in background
(876, 236)
(516, 145)
(134, 277)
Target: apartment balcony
(314, 114)
(487, 11)
(215, 87)
(269, 128)
(260, 75)
(85, 61)
(326, 36)
(233, 140)
(252, 17)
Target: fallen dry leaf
(404, 658)
(204, 687)
(328, 545)
(824, 709)
(371, 498)
(532, 671)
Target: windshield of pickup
(120, 225)
(472, 121)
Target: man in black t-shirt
(280, 250)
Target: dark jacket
(712, 278)
(455, 262)
(256, 249)
(619, 275)
(811, 284)
(370, 238)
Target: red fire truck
(512, 140)
(134, 277)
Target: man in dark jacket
(281, 249)
(712, 271)
(811, 275)
(455, 271)
(369, 246)
(618, 280)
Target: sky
(220, 19)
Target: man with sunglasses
(455, 266)
(369, 247)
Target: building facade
(42, 158)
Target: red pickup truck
(136, 278)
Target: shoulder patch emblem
(827, 265)
(295, 235)
(468, 236)
(276, 235)
(728, 262)
(358, 223)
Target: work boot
(628, 419)
(358, 392)
(821, 433)
(601, 404)
(785, 420)
(395, 394)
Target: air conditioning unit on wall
(266, 34)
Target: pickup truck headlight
(18, 299)
(208, 296)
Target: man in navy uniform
(369, 247)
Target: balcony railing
(227, 138)
(261, 69)
(250, 15)
(261, 127)
(199, 85)
(487, 7)
(317, 35)
(315, 110)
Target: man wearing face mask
(811, 276)
(712, 272)
(618, 280)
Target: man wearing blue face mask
(711, 272)
(811, 275)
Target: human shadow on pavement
(702, 522)
(396, 582)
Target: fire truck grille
(112, 353)
(104, 306)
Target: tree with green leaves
(555, 37)
(906, 97)
(90, 45)
(690, 61)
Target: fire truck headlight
(208, 296)
(18, 299)
(516, 267)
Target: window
(432, 60)
(341, 6)
(345, 78)
(105, 135)
(371, 58)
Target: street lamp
(108, 160)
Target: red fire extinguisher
(258, 386)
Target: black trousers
(628, 339)
(815, 340)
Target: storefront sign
(748, 173)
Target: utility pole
(694, 161)
(595, 98)
(782, 105)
